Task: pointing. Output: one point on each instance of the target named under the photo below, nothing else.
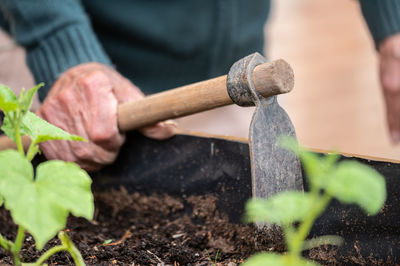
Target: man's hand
(389, 50)
(84, 102)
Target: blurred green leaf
(289, 143)
(40, 130)
(323, 240)
(353, 182)
(273, 259)
(16, 107)
(315, 166)
(9, 130)
(8, 100)
(283, 208)
(26, 98)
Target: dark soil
(134, 229)
(150, 230)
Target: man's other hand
(389, 50)
(84, 102)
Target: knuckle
(93, 79)
(104, 157)
(83, 151)
(105, 138)
(98, 136)
(64, 97)
(103, 131)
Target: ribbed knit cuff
(382, 17)
(62, 50)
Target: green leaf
(68, 185)
(25, 99)
(318, 167)
(315, 166)
(273, 259)
(283, 208)
(289, 143)
(15, 170)
(10, 131)
(41, 206)
(32, 210)
(15, 108)
(8, 100)
(108, 241)
(312, 165)
(40, 130)
(353, 182)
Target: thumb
(160, 131)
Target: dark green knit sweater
(158, 44)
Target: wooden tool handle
(269, 79)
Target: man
(157, 45)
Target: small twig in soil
(126, 235)
(156, 257)
(360, 257)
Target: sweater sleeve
(57, 35)
(382, 18)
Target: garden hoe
(251, 81)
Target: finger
(89, 151)
(100, 114)
(393, 115)
(160, 131)
(57, 150)
(390, 79)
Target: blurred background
(336, 103)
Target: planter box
(192, 165)
(197, 172)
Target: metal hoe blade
(274, 169)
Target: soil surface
(134, 229)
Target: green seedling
(348, 181)
(39, 203)
(213, 262)
(108, 241)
